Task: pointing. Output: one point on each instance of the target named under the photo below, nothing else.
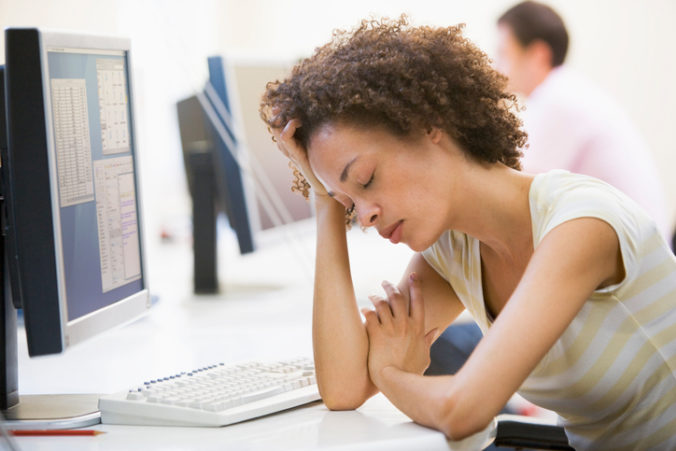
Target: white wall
(626, 46)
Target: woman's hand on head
(292, 149)
(396, 330)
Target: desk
(266, 316)
(377, 425)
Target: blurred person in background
(571, 123)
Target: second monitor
(227, 144)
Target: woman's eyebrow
(343, 175)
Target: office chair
(521, 435)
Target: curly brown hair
(407, 79)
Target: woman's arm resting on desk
(339, 339)
(572, 261)
(338, 335)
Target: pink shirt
(572, 125)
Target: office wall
(626, 46)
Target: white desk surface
(263, 313)
(377, 425)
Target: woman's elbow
(459, 429)
(342, 404)
(458, 423)
(342, 399)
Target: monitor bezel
(127, 309)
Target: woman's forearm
(434, 401)
(339, 336)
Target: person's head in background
(532, 40)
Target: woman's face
(402, 186)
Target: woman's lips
(393, 233)
(396, 233)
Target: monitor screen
(72, 186)
(90, 119)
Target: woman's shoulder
(560, 192)
(559, 181)
(559, 196)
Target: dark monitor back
(199, 136)
(28, 194)
(195, 138)
(10, 272)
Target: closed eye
(366, 185)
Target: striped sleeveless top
(611, 376)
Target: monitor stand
(67, 411)
(205, 275)
(32, 411)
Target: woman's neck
(497, 212)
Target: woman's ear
(434, 133)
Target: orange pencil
(43, 432)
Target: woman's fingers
(431, 336)
(290, 129)
(284, 138)
(398, 302)
(293, 150)
(371, 318)
(417, 304)
(276, 138)
(383, 310)
(286, 142)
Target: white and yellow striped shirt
(611, 376)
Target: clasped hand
(396, 330)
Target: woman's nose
(367, 213)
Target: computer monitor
(231, 161)
(72, 228)
(215, 178)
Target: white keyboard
(216, 395)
